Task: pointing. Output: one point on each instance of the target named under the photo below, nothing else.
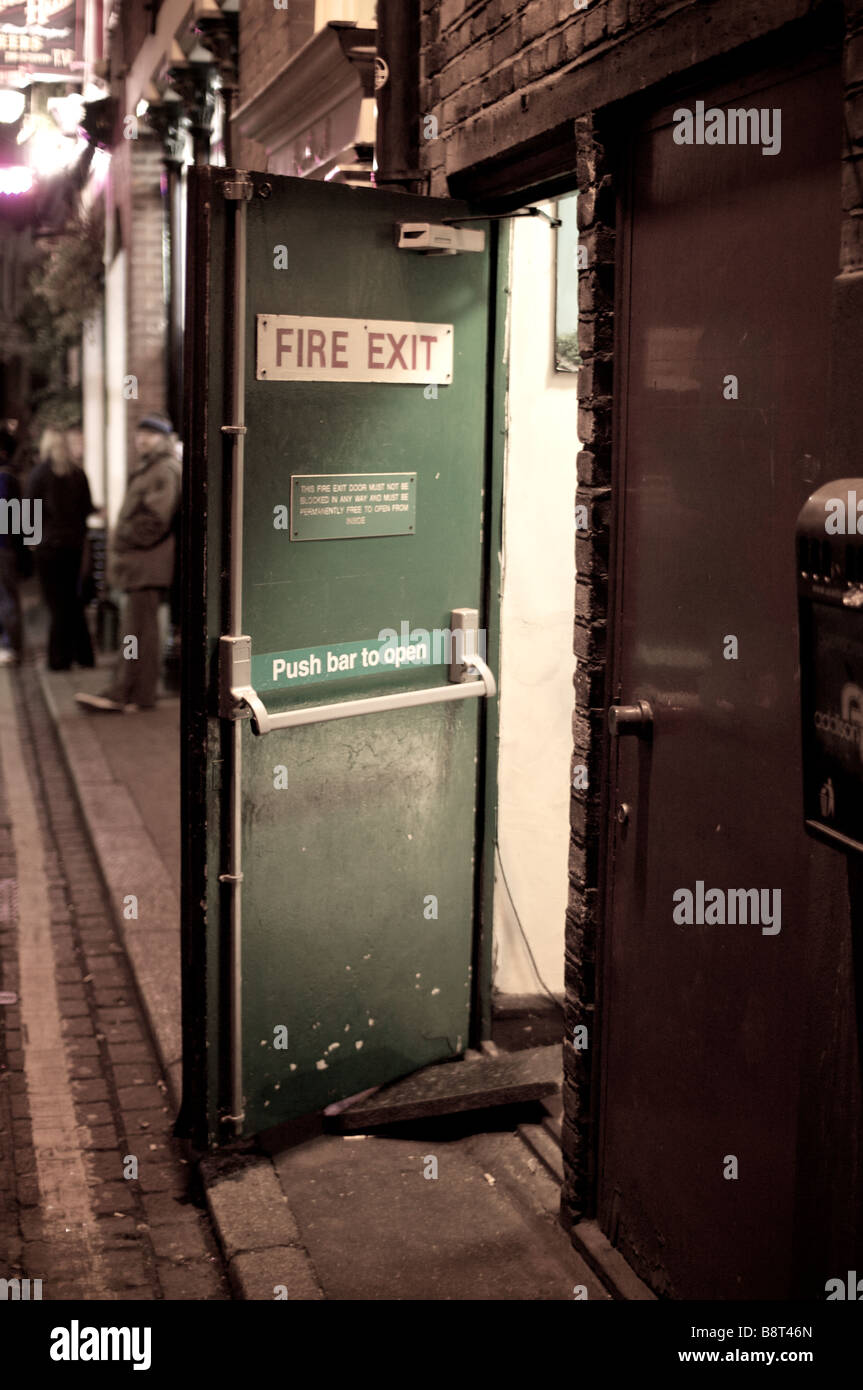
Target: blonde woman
(61, 484)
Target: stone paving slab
(257, 1230)
(270, 1274)
(248, 1206)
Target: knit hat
(157, 423)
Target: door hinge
(235, 675)
(238, 190)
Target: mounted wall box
(437, 239)
(830, 607)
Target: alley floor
(99, 1201)
(95, 1193)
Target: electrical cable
(556, 1002)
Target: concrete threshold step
(542, 1138)
(542, 1144)
(553, 1118)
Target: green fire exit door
(335, 477)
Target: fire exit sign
(306, 348)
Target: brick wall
(498, 74)
(596, 215)
(852, 171)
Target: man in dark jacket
(141, 562)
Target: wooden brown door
(728, 258)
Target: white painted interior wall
(361, 11)
(537, 617)
(115, 368)
(93, 406)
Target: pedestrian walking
(59, 482)
(141, 564)
(11, 541)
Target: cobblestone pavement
(94, 1192)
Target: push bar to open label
(238, 693)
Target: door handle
(237, 683)
(630, 719)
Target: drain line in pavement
(69, 1224)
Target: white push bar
(265, 723)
